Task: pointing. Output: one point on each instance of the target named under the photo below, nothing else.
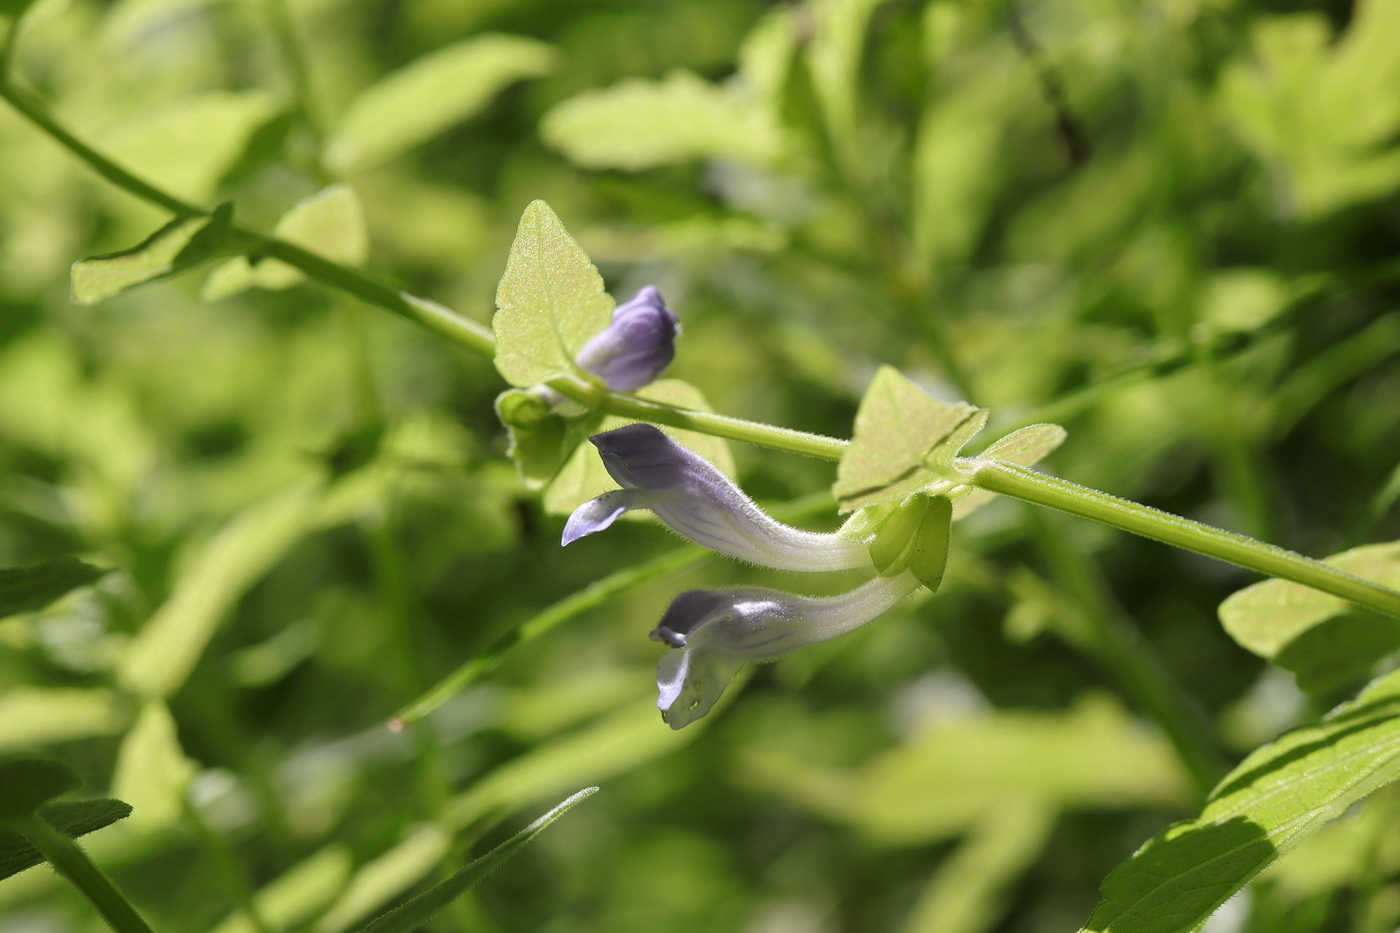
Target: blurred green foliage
(1171, 226)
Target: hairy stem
(1030, 486)
(70, 861)
(1002, 478)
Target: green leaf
(639, 124)
(26, 782)
(613, 745)
(31, 716)
(427, 96)
(25, 589)
(950, 774)
(168, 646)
(190, 145)
(152, 771)
(182, 244)
(73, 818)
(1323, 638)
(540, 440)
(550, 301)
(915, 537)
(420, 909)
(1025, 447)
(905, 442)
(1280, 98)
(583, 475)
(969, 892)
(834, 54)
(298, 895)
(384, 878)
(1277, 796)
(329, 223)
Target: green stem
(440, 320)
(735, 429)
(1029, 486)
(70, 861)
(30, 106)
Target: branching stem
(1003, 478)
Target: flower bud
(636, 346)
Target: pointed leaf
(182, 244)
(420, 909)
(1025, 447)
(27, 782)
(1277, 796)
(25, 589)
(427, 96)
(550, 301)
(73, 818)
(152, 771)
(382, 879)
(1267, 616)
(639, 124)
(191, 144)
(170, 643)
(905, 442)
(329, 223)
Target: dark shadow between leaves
(1339, 651)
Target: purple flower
(636, 346)
(712, 633)
(700, 503)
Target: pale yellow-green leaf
(638, 124)
(946, 778)
(298, 894)
(904, 442)
(189, 145)
(968, 892)
(330, 223)
(1282, 94)
(1094, 755)
(181, 244)
(615, 745)
(383, 879)
(549, 303)
(34, 716)
(217, 574)
(427, 96)
(1267, 616)
(765, 58)
(152, 773)
(1024, 447)
(834, 52)
(583, 476)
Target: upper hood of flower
(713, 632)
(699, 502)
